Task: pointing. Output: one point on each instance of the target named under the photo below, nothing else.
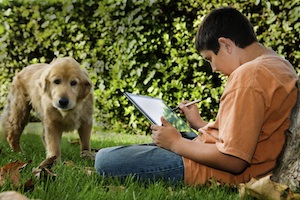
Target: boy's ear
(227, 43)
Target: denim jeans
(146, 162)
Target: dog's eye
(57, 81)
(73, 83)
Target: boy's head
(224, 22)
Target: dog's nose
(63, 102)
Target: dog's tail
(2, 132)
(3, 136)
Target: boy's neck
(253, 51)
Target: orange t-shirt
(252, 119)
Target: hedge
(138, 46)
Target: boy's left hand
(165, 136)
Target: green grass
(72, 182)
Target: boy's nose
(214, 69)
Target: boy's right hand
(192, 115)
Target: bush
(144, 47)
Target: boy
(249, 131)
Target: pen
(188, 104)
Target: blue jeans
(146, 162)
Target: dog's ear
(85, 85)
(44, 82)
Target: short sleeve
(240, 120)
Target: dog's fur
(61, 93)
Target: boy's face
(225, 62)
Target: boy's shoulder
(269, 65)
(261, 72)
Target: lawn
(75, 178)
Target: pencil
(188, 104)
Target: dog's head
(66, 83)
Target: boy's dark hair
(224, 22)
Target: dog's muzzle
(63, 103)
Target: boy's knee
(101, 161)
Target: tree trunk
(287, 170)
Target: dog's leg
(52, 138)
(85, 135)
(43, 135)
(15, 116)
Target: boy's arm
(208, 154)
(168, 137)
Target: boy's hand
(165, 136)
(192, 115)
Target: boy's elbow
(238, 171)
(238, 167)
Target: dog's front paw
(16, 147)
(14, 143)
(87, 154)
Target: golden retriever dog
(62, 96)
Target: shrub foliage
(138, 46)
